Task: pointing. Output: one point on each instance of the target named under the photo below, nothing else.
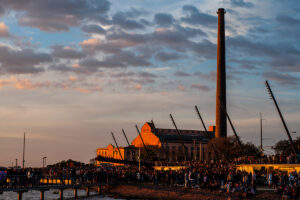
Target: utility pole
(261, 136)
(16, 163)
(24, 151)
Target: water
(51, 195)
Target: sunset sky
(72, 71)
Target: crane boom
(178, 132)
(233, 129)
(281, 117)
(117, 145)
(207, 134)
(125, 137)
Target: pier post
(42, 194)
(99, 189)
(75, 193)
(88, 191)
(61, 194)
(20, 194)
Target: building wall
(127, 153)
(148, 137)
(176, 152)
(172, 151)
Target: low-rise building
(172, 144)
(127, 153)
(163, 144)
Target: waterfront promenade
(221, 179)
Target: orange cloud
(24, 85)
(181, 88)
(4, 30)
(138, 86)
(92, 42)
(73, 78)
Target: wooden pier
(61, 188)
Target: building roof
(171, 135)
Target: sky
(73, 71)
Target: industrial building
(126, 153)
(189, 145)
(167, 144)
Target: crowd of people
(214, 176)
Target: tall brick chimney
(221, 121)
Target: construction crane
(233, 129)
(137, 128)
(178, 132)
(112, 134)
(162, 144)
(281, 117)
(125, 137)
(206, 132)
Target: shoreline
(154, 192)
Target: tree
(284, 147)
(228, 148)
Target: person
(186, 179)
(270, 179)
(254, 179)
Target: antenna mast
(24, 151)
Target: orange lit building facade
(127, 153)
(167, 143)
(171, 144)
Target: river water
(51, 195)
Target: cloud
(73, 78)
(93, 28)
(181, 74)
(164, 56)
(147, 75)
(281, 78)
(280, 55)
(4, 30)
(203, 88)
(181, 88)
(288, 21)
(57, 15)
(121, 19)
(2, 10)
(138, 86)
(195, 17)
(21, 61)
(66, 52)
(163, 19)
(241, 3)
(121, 59)
(69, 84)
(212, 76)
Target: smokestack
(221, 123)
